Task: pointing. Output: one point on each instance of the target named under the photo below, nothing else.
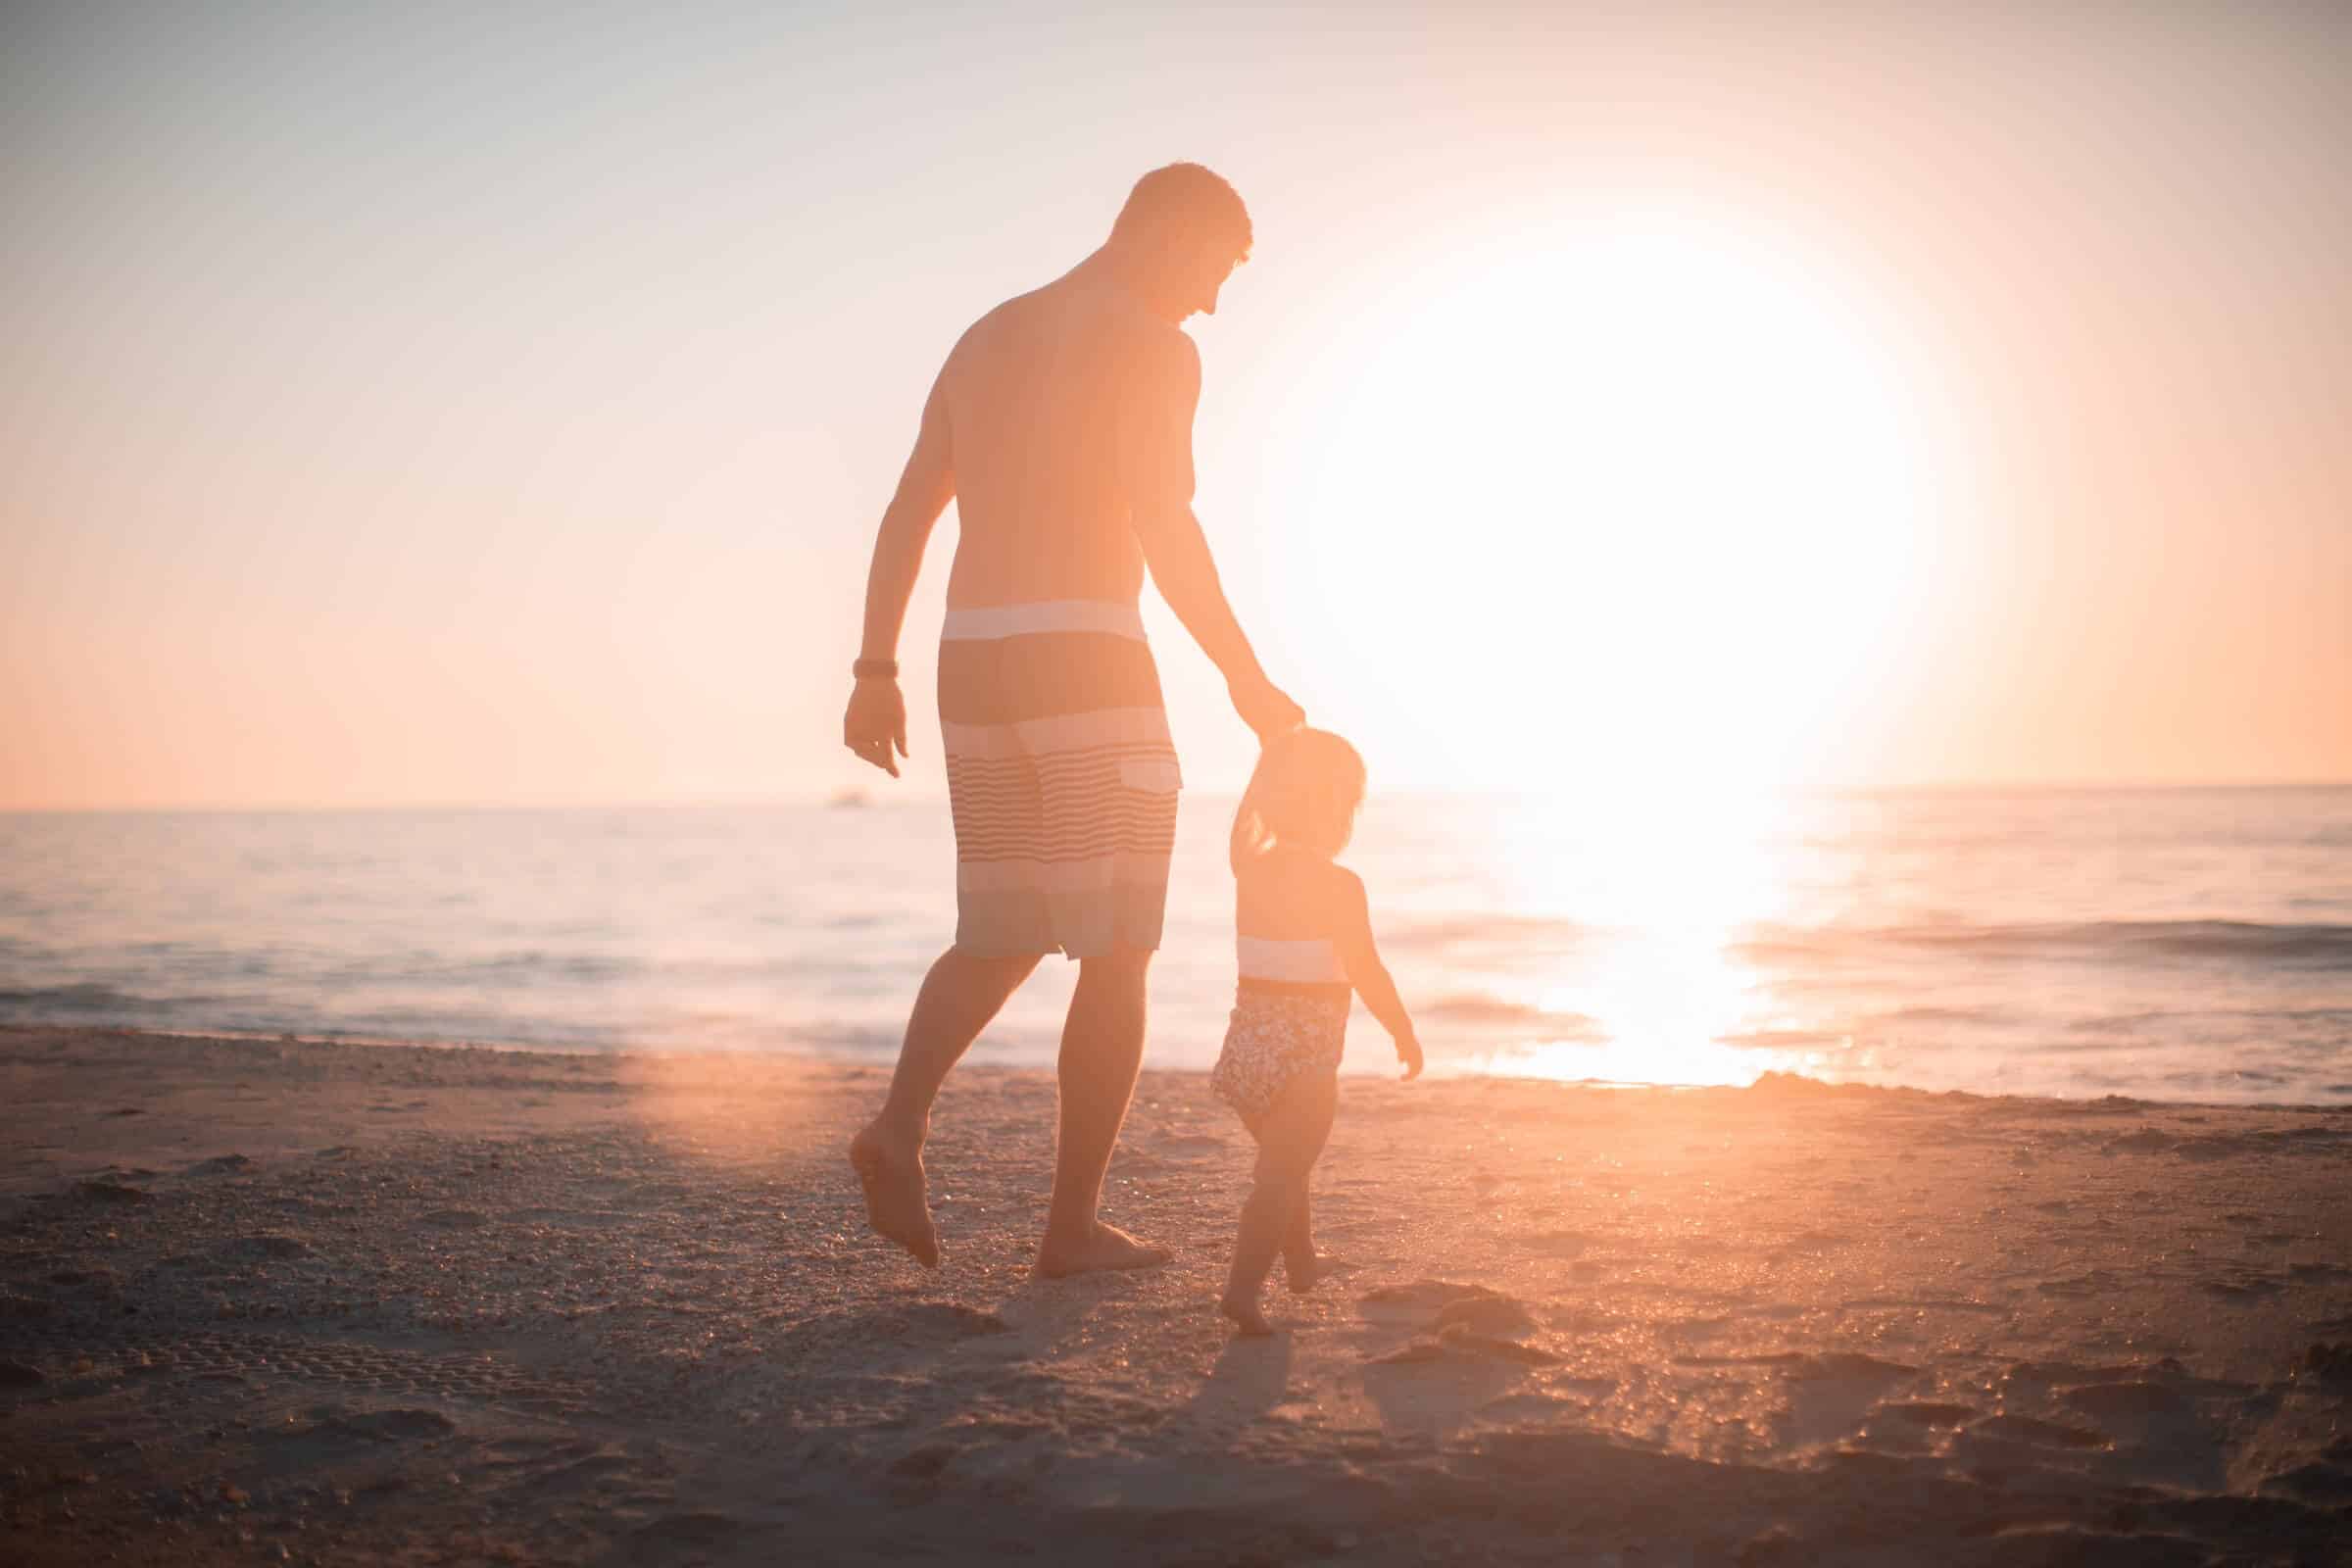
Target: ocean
(2173, 945)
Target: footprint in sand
(1829, 1395)
(2125, 1401)
(2330, 1363)
(103, 1190)
(1465, 1340)
(103, 1278)
(1189, 1144)
(947, 1321)
(1496, 1315)
(1927, 1412)
(1454, 1320)
(700, 1528)
(1422, 1296)
(1851, 1366)
(384, 1426)
(2324, 1485)
(2243, 1285)
(1810, 1242)
(1556, 1244)
(2041, 1434)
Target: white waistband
(1313, 960)
(1057, 615)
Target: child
(1305, 947)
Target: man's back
(1048, 399)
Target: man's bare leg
(959, 995)
(1101, 1050)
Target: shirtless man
(1063, 426)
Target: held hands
(1408, 1052)
(1264, 707)
(876, 722)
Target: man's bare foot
(1302, 1272)
(892, 1175)
(1247, 1318)
(1108, 1247)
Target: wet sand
(345, 1303)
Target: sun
(1624, 505)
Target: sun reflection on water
(1667, 886)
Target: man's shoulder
(1167, 355)
(995, 324)
(1165, 336)
(1072, 324)
(1112, 310)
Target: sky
(423, 406)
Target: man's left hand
(876, 722)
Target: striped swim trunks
(1063, 777)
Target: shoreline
(406, 1303)
(1438, 1070)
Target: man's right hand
(876, 722)
(1265, 707)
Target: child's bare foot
(1247, 1318)
(1303, 1271)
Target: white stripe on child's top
(1045, 615)
(1313, 961)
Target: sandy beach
(341, 1303)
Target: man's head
(1181, 234)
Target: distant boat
(850, 799)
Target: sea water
(2162, 943)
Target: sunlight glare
(1664, 463)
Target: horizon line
(855, 798)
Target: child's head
(1303, 796)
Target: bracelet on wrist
(882, 668)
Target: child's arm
(1368, 974)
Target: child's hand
(1408, 1052)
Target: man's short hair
(1184, 202)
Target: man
(1063, 426)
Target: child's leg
(1301, 1264)
(1299, 1239)
(1289, 1140)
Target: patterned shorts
(1272, 1040)
(1061, 775)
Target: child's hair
(1304, 794)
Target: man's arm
(1159, 483)
(876, 720)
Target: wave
(1996, 1017)
(1500, 1011)
(2325, 946)
(82, 997)
(1486, 928)
(2326, 1018)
